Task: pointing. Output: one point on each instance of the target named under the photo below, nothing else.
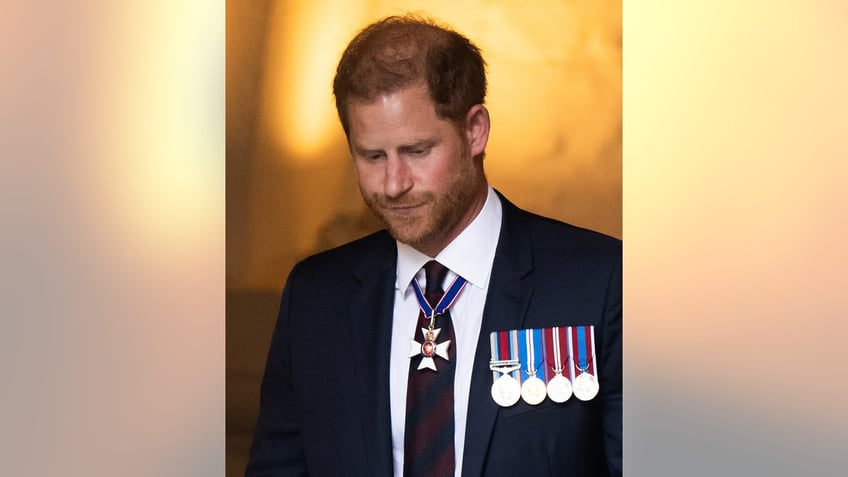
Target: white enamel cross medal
(429, 348)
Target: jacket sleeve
(277, 448)
(612, 374)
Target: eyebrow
(422, 144)
(361, 151)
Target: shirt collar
(470, 255)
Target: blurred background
(555, 147)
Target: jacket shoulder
(557, 238)
(560, 233)
(372, 251)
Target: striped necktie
(429, 430)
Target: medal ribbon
(504, 347)
(539, 353)
(593, 366)
(444, 303)
(585, 363)
(564, 345)
(556, 351)
(515, 353)
(581, 348)
(552, 356)
(530, 352)
(496, 355)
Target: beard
(437, 215)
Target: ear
(477, 129)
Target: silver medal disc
(533, 391)
(559, 389)
(585, 387)
(506, 391)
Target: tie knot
(434, 273)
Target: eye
(373, 156)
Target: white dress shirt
(470, 256)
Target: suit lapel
(506, 303)
(371, 307)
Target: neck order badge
(428, 347)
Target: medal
(586, 383)
(585, 387)
(559, 387)
(429, 347)
(506, 391)
(533, 364)
(532, 388)
(533, 391)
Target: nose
(398, 177)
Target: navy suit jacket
(324, 407)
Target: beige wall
(555, 102)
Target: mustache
(406, 200)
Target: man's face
(416, 171)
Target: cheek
(446, 172)
(367, 175)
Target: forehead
(406, 115)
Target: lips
(396, 212)
(402, 209)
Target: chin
(410, 235)
(406, 236)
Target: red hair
(398, 51)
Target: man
(469, 338)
